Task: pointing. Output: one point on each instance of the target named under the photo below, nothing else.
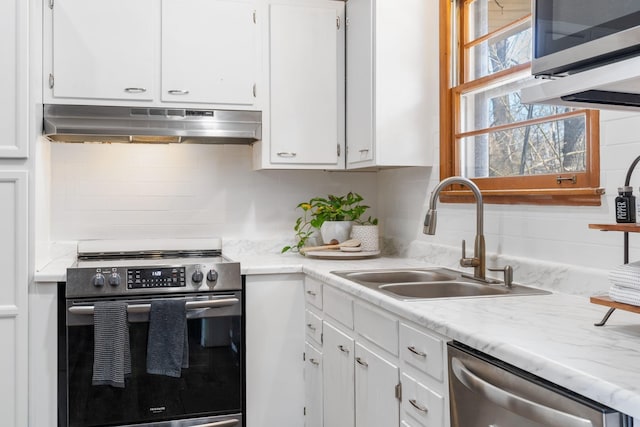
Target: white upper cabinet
(14, 79)
(392, 82)
(103, 50)
(209, 51)
(201, 53)
(303, 127)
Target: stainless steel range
(208, 390)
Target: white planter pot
(338, 230)
(368, 236)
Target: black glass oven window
(212, 385)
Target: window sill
(559, 197)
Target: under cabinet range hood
(83, 123)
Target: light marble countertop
(551, 336)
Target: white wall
(122, 191)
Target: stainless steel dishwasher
(486, 392)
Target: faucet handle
(507, 270)
(467, 262)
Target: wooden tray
(338, 254)
(606, 301)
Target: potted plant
(366, 231)
(331, 216)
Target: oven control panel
(138, 278)
(101, 279)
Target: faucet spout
(478, 260)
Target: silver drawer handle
(343, 349)
(313, 294)
(310, 326)
(364, 150)
(135, 89)
(418, 406)
(361, 362)
(413, 350)
(286, 154)
(227, 423)
(314, 361)
(178, 92)
(145, 308)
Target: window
(515, 153)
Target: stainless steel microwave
(575, 35)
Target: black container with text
(625, 205)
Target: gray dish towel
(167, 343)
(111, 351)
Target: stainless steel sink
(428, 283)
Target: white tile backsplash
(143, 191)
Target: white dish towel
(625, 283)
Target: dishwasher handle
(514, 403)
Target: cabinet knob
(178, 92)
(310, 326)
(135, 89)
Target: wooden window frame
(553, 189)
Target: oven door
(209, 392)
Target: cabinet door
(14, 79)
(376, 381)
(421, 406)
(13, 298)
(337, 378)
(306, 83)
(360, 90)
(104, 50)
(209, 51)
(313, 387)
(274, 348)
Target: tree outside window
(516, 153)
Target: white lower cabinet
(274, 351)
(421, 406)
(367, 367)
(376, 390)
(312, 386)
(338, 377)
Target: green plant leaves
(331, 208)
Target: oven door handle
(145, 308)
(227, 423)
(514, 403)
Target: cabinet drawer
(313, 326)
(338, 305)
(377, 327)
(422, 351)
(421, 406)
(313, 292)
